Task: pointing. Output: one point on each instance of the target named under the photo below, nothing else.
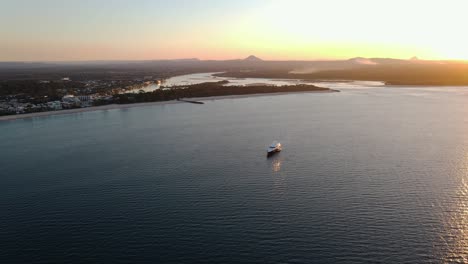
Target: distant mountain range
(295, 66)
(253, 58)
(377, 61)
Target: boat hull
(274, 148)
(271, 153)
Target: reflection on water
(278, 177)
(276, 164)
(455, 235)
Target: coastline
(124, 106)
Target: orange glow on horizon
(272, 30)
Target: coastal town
(12, 105)
(70, 94)
(66, 94)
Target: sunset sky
(50, 30)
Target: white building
(85, 98)
(55, 105)
(70, 101)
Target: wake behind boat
(275, 147)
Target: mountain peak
(252, 58)
(361, 60)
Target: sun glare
(399, 28)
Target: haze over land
(392, 71)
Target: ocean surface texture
(373, 174)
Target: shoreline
(125, 106)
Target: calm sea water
(366, 175)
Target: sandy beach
(124, 106)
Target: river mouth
(210, 77)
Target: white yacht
(274, 148)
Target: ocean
(373, 174)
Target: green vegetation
(210, 89)
(35, 88)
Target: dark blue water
(366, 175)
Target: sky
(76, 30)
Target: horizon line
(204, 60)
